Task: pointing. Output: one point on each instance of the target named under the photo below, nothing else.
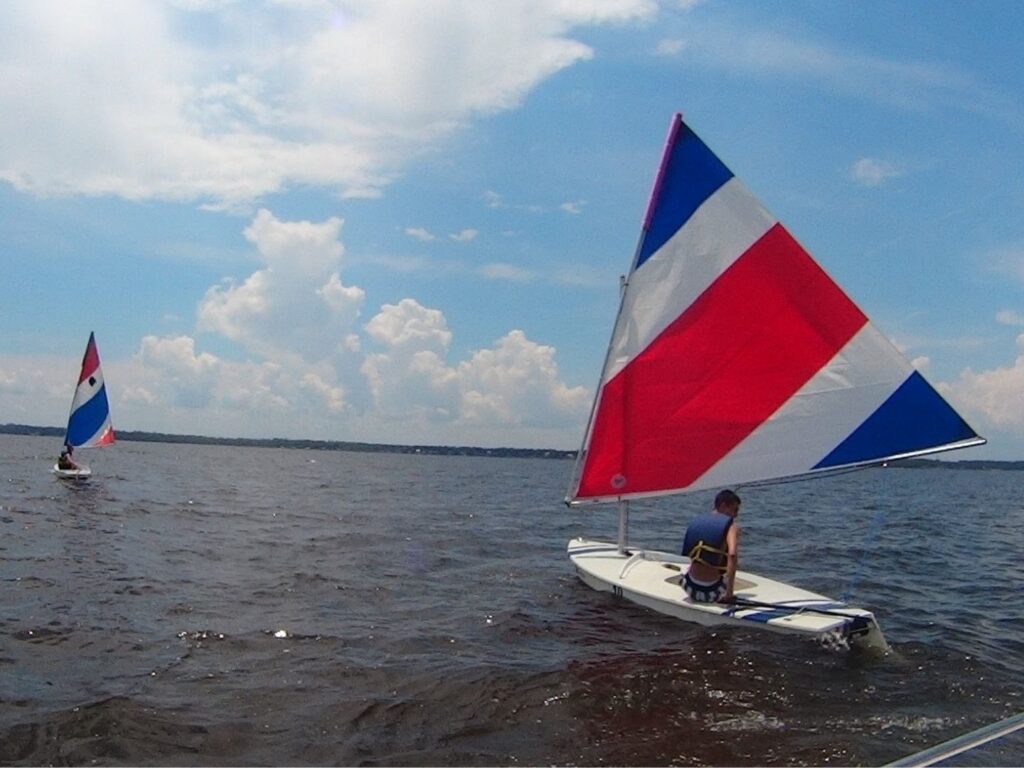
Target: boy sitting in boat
(712, 543)
(65, 461)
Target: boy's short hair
(726, 497)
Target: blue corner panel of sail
(691, 175)
(914, 417)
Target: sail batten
(735, 358)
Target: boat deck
(652, 579)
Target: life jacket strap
(697, 555)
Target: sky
(405, 222)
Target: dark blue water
(204, 605)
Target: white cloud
(297, 314)
(297, 304)
(37, 390)
(420, 234)
(501, 271)
(996, 395)
(409, 325)
(494, 200)
(465, 236)
(573, 206)
(42, 377)
(121, 97)
(188, 379)
(1010, 317)
(333, 396)
(670, 47)
(311, 370)
(410, 378)
(169, 372)
(515, 383)
(871, 172)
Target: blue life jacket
(705, 539)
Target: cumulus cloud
(410, 378)
(169, 370)
(408, 325)
(514, 383)
(517, 382)
(123, 98)
(313, 365)
(297, 304)
(333, 396)
(37, 390)
(996, 395)
(189, 379)
(115, 98)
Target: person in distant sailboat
(712, 543)
(65, 461)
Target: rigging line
(869, 539)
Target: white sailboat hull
(653, 580)
(82, 473)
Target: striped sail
(89, 424)
(736, 359)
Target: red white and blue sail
(89, 424)
(735, 358)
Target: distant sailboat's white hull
(652, 579)
(82, 473)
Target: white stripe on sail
(86, 391)
(719, 232)
(823, 413)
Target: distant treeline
(317, 445)
(436, 450)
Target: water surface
(207, 605)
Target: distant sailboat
(89, 423)
(735, 359)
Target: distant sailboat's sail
(89, 424)
(735, 358)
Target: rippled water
(204, 605)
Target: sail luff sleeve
(675, 125)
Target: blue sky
(405, 222)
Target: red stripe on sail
(90, 361)
(741, 350)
